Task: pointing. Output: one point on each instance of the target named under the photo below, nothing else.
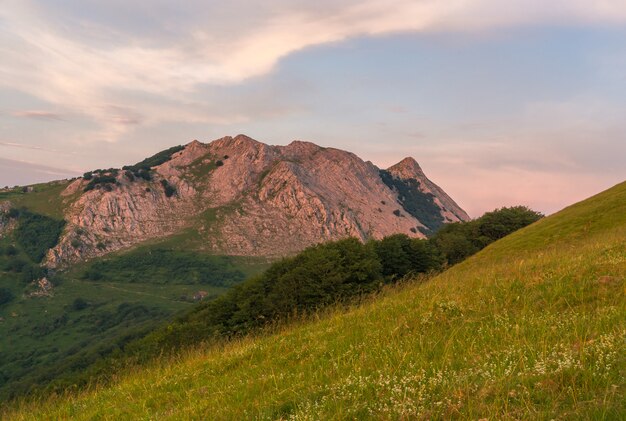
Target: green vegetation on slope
(420, 205)
(155, 160)
(165, 266)
(336, 272)
(47, 335)
(44, 199)
(36, 234)
(533, 327)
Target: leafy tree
(401, 255)
(502, 222)
(460, 240)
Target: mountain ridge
(239, 196)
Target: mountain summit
(238, 196)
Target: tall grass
(533, 327)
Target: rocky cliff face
(241, 197)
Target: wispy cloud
(154, 58)
(31, 147)
(37, 115)
(18, 172)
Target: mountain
(531, 327)
(88, 265)
(237, 196)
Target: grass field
(533, 327)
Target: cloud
(152, 56)
(17, 172)
(37, 115)
(31, 147)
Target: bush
(6, 296)
(104, 180)
(155, 160)
(88, 175)
(169, 190)
(10, 250)
(144, 174)
(15, 265)
(35, 234)
(79, 304)
(219, 163)
(32, 272)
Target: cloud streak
(37, 115)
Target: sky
(502, 102)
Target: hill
(532, 327)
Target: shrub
(88, 175)
(15, 264)
(10, 250)
(105, 180)
(219, 163)
(143, 174)
(35, 234)
(169, 189)
(397, 212)
(32, 272)
(79, 304)
(6, 296)
(154, 160)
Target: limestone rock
(244, 197)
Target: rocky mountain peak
(263, 200)
(407, 168)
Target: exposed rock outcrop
(242, 197)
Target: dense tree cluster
(36, 233)
(459, 241)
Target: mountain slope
(237, 196)
(532, 327)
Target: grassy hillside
(96, 307)
(532, 327)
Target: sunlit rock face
(238, 196)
